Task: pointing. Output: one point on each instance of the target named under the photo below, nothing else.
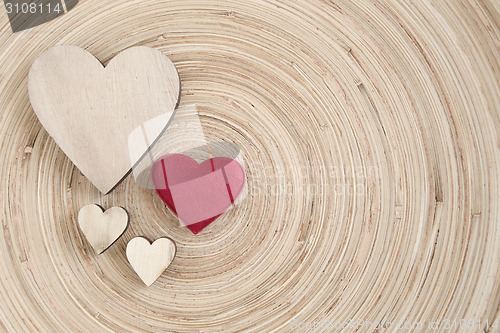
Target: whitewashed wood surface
(371, 138)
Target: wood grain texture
(102, 228)
(371, 138)
(92, 112)
(149, 260)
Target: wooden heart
(101, 228)
(91, 111)
(150, 260)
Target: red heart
(197, 193)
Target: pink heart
(197, 193)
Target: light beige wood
(369, 131)
(102, 228)
(95, 113)
(149, 260)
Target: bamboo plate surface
(370, 134)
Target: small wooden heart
(104, 118)
(150, 260)
(101, 228)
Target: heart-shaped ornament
(101, 228)
(197, 193)
(91, 111)
(150, 260)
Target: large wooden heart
(92, 111)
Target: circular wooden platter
(370, 135)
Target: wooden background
(370, 132)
